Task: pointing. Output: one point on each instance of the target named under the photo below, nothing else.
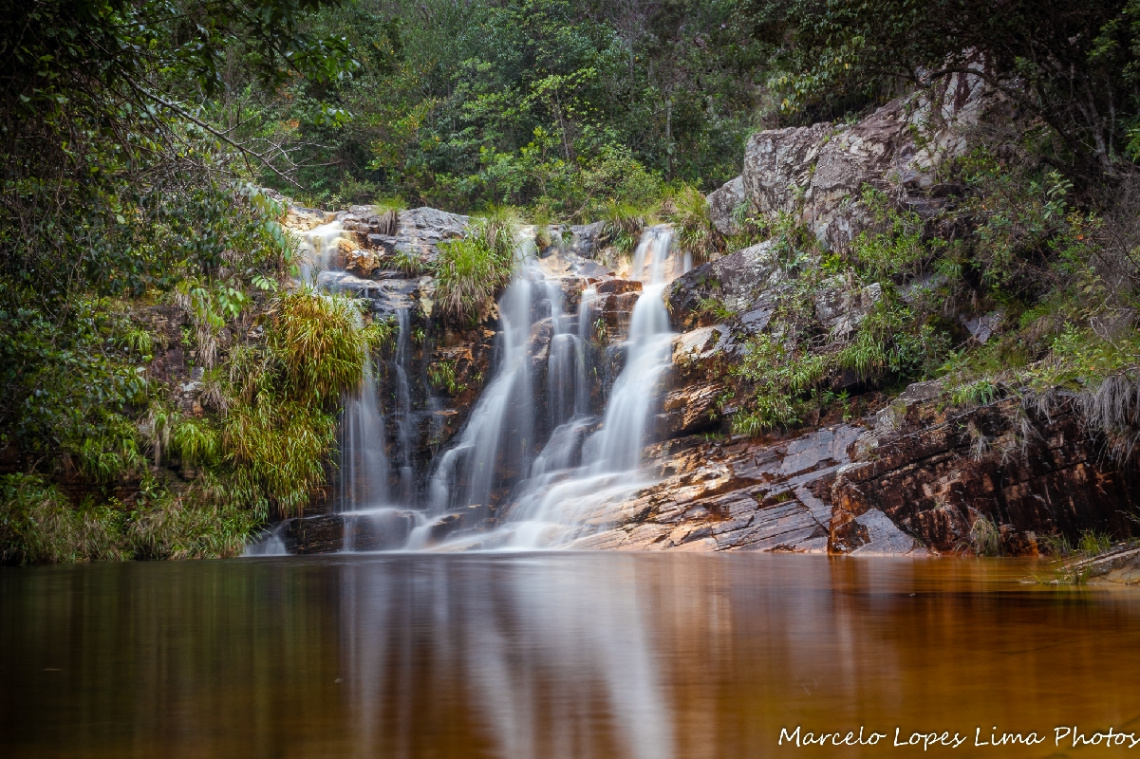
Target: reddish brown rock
(936, 473)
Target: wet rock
(345, 282)
(1120, 564)
(691, 409)
(304, 219)
(362, 263)
(723, 203)
(618, 287)
(445, 526)
(746, 496)
(382, 531)
(873, 533)
(309, 535)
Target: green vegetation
(541, 103)
(156, 398)
(442, 376)
(162, 390)
(689, 213)
(985, 537)
(470, 271)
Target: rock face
(723, 203)
(331, 533)
(1029, 472)
(742, 282)
(741, 496)
(416, 235)
(811, 172)
(921, 481)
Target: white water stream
(497, 467)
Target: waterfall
(565, 490)
(404, 409)
(565, 499)
(534, 458)
(363, 461)
(494, 446)
(363, 466)
(318, 248)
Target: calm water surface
(553, 655)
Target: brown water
(555, 655)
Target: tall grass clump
(38, 525)
(689, 213)
(471, 270)
(319, 343)
(277, 439)
(622, 223)
(195, 526)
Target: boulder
(362, 263)
(739, 281)
(417, 232)
(585, 239)
(723, 203)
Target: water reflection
(547, 656)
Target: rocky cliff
(891, 473)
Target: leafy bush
(696, 232)
(893, 243)
(38, 525)
(785, 385)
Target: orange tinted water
(555, 655)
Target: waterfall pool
(558, 655)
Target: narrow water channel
(553, 655)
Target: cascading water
(363, 462)
(565, 492)
(404, 409)
(494, 446)
(364, 468)
(318, 248)
(559, 503)
(543, 387)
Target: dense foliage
(556, 104)
(135, 259)
(138, 257)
